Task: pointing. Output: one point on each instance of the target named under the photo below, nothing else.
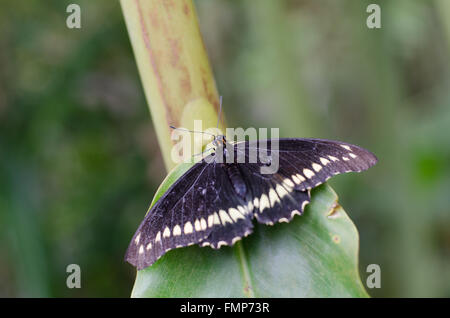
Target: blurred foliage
(79, 161)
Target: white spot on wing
(256, 202)
(281, 191)
(241, 210)
(324, 161)
(203, 224)
(188, 228)
(308, 173)
(273, 197)
(287, 182)
(225, 217)
(166, 232)
(333, 158)
(158, 237)
(316, 167)
(296, 179)
(250, 206)
(176, 230)
(136, 240)
(216, 219)
(234, 214)
(264, 201)
(346, 147)
(141, 249)
(197, 226)
(210, 220)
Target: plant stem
(173, 66)
(248, 287)
(176, 74)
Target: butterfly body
(215, 201)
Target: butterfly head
(219, 141)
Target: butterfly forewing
(201, 207)
(175, 220)
(310, 162)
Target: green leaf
(315, 255)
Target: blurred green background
(79, 160)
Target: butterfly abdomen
(236, 179)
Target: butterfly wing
(310, 162)
(202, 203)
(274, 197)
(214, 203)
(172, 221)
(232, 209)
(302, 164)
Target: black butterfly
(215, 201)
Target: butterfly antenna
(191, 131)
(201, 153)
(220, 111)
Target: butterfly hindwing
(232, 208)
(275, 198)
